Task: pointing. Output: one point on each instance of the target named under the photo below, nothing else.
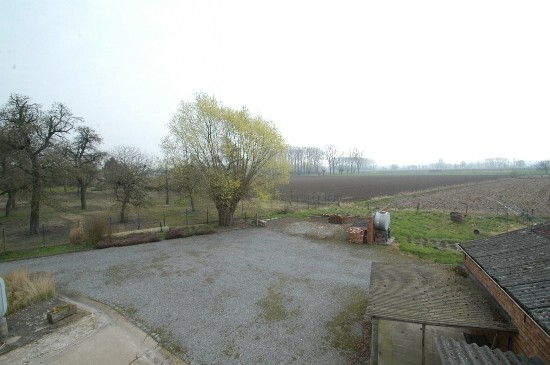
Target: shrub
(76, 236)
(24, 289)
(97, 229)
(128, 241)
(173, 233)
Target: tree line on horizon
(226, 153)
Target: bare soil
(529, 196)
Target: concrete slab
(100, 337)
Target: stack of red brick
(356, 234)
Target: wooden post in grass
(43, 237)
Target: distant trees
(544, 166)
(309, 160)
(333, 156)
(236, 154)
(305, 160)
(31, 138)
(126, 173)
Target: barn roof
(519, 262)
(431, 294)
(454, 352)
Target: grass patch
(340, 328)
(273, 305)
(24, 289)
(419, 232)
(42, 251)
(432, 253)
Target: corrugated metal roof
(430, 294)
(454, 352)
(519, 261)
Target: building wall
(531, 339)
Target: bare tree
(315, 158)
(357, 159)
(85, 157)
(35, 133)
(126, 172)
(333, 156)
(544, 166)
(12, 177)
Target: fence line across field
(58, 234)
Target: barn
(498, 312)
(513, 269)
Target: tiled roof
(454, 352)
(430, 294)
(519, 261)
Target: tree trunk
(192, 201)
(226, 213)
(10, 204)
(35, 212)
(123, 212)
(83, 188)
(35, 196)
(167, 190)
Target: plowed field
(482, 193)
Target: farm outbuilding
(410, 306)
(514, 270)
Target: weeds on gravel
(340, 328)
(24, 289)
(273, 305)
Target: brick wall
(531, 339)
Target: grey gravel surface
(248, 296)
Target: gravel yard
(282, 294)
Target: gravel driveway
(248, 296)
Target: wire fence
(53, 233)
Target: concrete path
(102, 336)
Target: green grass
(420, 232)
(21, 254)
(41, 252)
(431, 253)
(340, 333)
(274, 305)
(413, 226)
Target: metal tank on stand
(382, 233)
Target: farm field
(364, 187)
(490, 194)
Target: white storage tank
(382, 220)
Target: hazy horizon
(408, 83)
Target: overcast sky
(407, 82)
